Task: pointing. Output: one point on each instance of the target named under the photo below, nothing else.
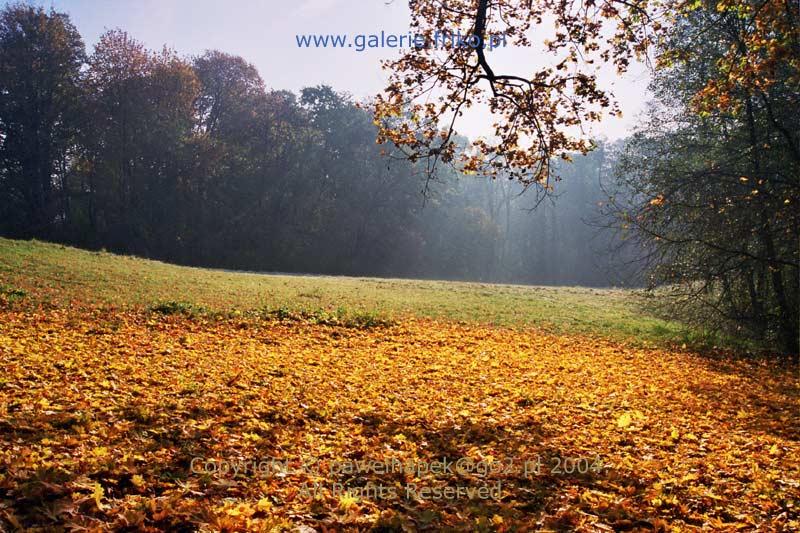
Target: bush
(176, 308)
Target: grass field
(136, 395)
(58, 274)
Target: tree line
(196, 161)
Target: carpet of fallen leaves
(114, 420)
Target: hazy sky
(263, 32)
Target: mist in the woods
(201, 163)
(264, 267)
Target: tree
(710, 188)
(197, 161)
(229, 86)
(41, 54)
(140, 105)
(257, 136)
(539, 115)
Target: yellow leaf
(656, 502)
(264, 505)
(624, 420)
(346, 501)
(97, 494)
(100, 451)
(692, 476)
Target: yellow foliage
(95, 402)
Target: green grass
(60, 275)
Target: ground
(128, 403)
(60, 275)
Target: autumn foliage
(541, 111)
(104, 412)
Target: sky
(264, 33)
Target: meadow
(62, 275)
(137, 395)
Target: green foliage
(341, 316)
(176, 308)
(9, 293)
(41, 55)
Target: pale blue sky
(263, 32)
